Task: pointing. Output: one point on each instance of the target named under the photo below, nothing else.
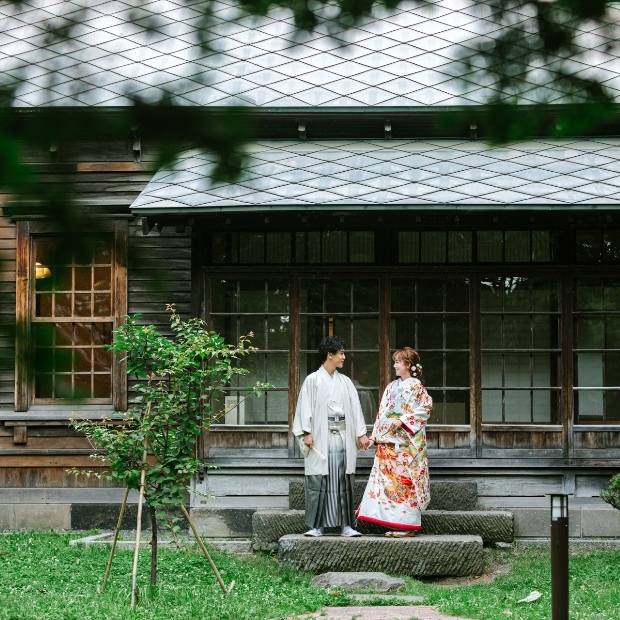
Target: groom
(329, 425)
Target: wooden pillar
(22, 316)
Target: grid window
(433, 317)
(596, 347)
(72, 321)
(237, 307)
(520, 354)
(348, 308)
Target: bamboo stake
(136, 553)
(116, 534)
(227, 590)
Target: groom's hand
(309, 441)
(364, 442)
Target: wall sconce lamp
(41, 271)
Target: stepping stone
(444, 495)
(422, 556)
(268, 526)
(377, 582)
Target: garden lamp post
(559, 557)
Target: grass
(42, 577)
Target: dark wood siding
(7, 313)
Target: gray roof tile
(394, 172)
(405, 57)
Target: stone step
(268, 526)
(425, 555)
(456, 496)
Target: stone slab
(600, 523)
(536, 522)
(445, 495)
(42, 516)
(423, 556)
(358, 580)
(268, 526)
(105, 516)
(223, 522)
(7, 517)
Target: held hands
(364, 442)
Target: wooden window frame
(26, 230)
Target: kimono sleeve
(416, 408)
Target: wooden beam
(119, 366)
(22, 315)
(20, 434)
(115, 166)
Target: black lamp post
(559, 557)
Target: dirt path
(409, 612)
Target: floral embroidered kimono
(398, 487)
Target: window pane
(491, 332)
(252, 296)
(403, 333)
(430, 332)
(588, 246)
(543, 246)
(545, 332)
(408, 247)
(457, 332)
(517, 371)
(589, 369)
(83, 280)
(312, 298)
(459, 247)
(366, 295)
(611, 246)
(589, 333)
(277, 332)
(492, 406)
(588, 295)
(432, 367)
(362, 369)
(256, 325)
(517, 332)
(545, 370)
(430, 296)
(251, 247)
(517, 246)
(277, 407)
(365, 334)
(456, 407)
(338, 295)
(491, 290)
(589, 406)
(334, 246)
(223, 296)
(517, 406)
(277, 295)
(226, 327)
(102, 279)
(361, 247)
(277, 367)
(102, 386)
(457, 369)
(433, 247)
(103, 304)
(490, 246)
(457, 295)
(83, 305)
(279, 248)
(492, 370)
(403, 296)
(62, 304)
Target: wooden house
(360, 211)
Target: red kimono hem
(394, 526)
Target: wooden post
(116, 533)
(227, 590)
(136, 553)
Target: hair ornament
(416, 370)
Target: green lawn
(42, 577)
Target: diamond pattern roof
(376, 174)
(405, 57)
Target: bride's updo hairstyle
(410, 357)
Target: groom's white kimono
(329, 408)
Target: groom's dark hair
(330, 344)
